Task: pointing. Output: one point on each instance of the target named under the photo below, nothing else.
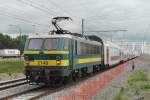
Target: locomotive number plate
(42, 63)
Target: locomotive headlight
(58, 60)
(26, 63)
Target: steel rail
(13, 85)
(12, 81)
(21, 93)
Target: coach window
(81, 48)
(86, 49)
(95, 49)
(92, 49)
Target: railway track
(21, 94)
(41, 91)
(33, 94)
(12, 83)
(38, 92)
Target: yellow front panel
(46, 63)
(88, 60)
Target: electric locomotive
(61, 56)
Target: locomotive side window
(85, 49)
(50, 44)
(78, 50)
(35, 44)
(67, 44)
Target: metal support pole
(82, 27)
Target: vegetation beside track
(12, 43)
(137, 86)
(11, 67)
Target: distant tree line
(7, 42)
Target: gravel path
(141, 64)
(114, 86)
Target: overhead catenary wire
(18, 14)
(45, 9)
(58, 6)
(21, 19)
(18, 17)
(37, 6)
(67, 12)
(41, 7)
(88, 19)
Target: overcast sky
(35, 15)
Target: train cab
(47, 56)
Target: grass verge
(137, 84)
(11, 66)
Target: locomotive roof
(82, 39)
(50, 36)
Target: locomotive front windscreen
(40, 43)
(50, 44)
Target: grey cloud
(132, 15)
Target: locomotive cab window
(42, 43)
(35, 44)
(50, 44)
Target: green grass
(137, 83)
(121, 95)
(138, 76)
(11, 66)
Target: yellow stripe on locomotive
(46, 52)
(88, 60)
(48, 63)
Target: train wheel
(56, 81)
(66, 79)
(74, 77)
(97, 68)
(94, 69)
(100, 67)
(80, 74)
(84, 72)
